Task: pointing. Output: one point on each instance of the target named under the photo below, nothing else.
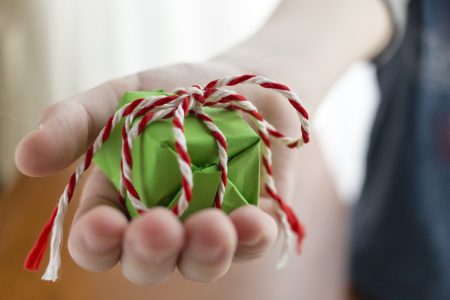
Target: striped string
(142, 112)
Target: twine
(177, 106)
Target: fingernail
(203, 252)
(251, 242)
(157, 251)
(99, 244)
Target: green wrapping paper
(156, 173)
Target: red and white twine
(138, 114)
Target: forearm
(308, 44)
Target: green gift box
(156, 173)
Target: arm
(308, 44)
(303, 45)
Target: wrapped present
(156, 172)
(186, 150)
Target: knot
(196, 93)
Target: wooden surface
(320, 273)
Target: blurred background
(52, 49)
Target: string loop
(140, 113)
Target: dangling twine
(176, 107)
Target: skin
(149, 248)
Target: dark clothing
(401, 225)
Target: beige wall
(23, 87)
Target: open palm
(150, 247)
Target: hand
(151, 246)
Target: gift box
(156, 173)
(186, 151)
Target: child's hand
(151, 246)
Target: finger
(98, 190)
(151, 247)
(97, 231)
(96, 238)
(279, 113)
(256, 232)
(210, 246)
(67, 128)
